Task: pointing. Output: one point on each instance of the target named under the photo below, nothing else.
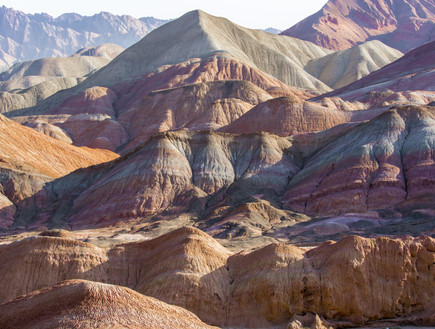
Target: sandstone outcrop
(86, 304)
(351, 282)
(341, 24)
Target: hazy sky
(280, 14)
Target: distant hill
(27, 37)
(342, 24)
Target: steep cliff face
(401, 24)
(354, 281)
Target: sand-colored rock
(341, 24)
(19, 75)
(86, 304)
(412, 72)
(200, 35)
(355, 280)
(344, 67)
(106, 50)
(27, 83)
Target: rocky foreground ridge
(351, 282)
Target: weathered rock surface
(353, 167)
(27, 83)
(199, 102)
(342, 24)
(202, 106)
(86, 304)
(375, 165)
(413, 72)
(344, 67)
(200, 35)
(29, 159)
(353, 281)
(288, 116)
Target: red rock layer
(355, 280)
(341, 24)
(375, 165)
(98, 117)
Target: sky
(280, 14)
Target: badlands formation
(225, 177)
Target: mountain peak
(402, 24)
(198, 35)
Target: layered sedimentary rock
(344, 67)
(202, 106)
(354, 281)
(374, 165)
(27, 83)
(340, 24)
(87, 304)
(29, 159)
(351, 167)
(97, 117)
(288, 116)
(413, 72)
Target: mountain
(27, 83)
(26, 37)
(344, 67)
(413, 72)
(342, 24)
(356, 281)
(24, 75)
(198, 35)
